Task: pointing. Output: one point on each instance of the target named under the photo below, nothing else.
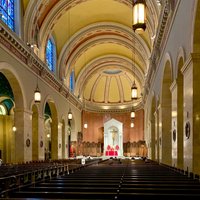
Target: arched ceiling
(95, 39)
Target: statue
(114, 137)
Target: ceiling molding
(101, 33)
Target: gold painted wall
(6, 139)
(174, 125)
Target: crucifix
(114, 132)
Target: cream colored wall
(196, 111)
(188, 116)
(174, 41)
(27, 81)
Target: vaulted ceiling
(95, 39)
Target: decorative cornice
(156, 50)
(15, 46)
(192, 57)
(166, 19)
(126, 107)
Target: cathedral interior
(100, 79)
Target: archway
(166, 108)
(192, 100)
(7, 105)
(64, 140)
(35, 143)
(48, 132)
(51, 130)
(14, 138)
(180, 115)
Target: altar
(111, 153)
(113, 139)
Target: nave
(113, 179)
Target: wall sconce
(14, 128)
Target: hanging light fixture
(132, 113)
(37, 94)
(85, 125)
(70, 114)
(85, 122)
(139, 15)
(132, 124)
(134, 92)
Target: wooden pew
(112, 179)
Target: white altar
(113, 138)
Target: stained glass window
(7, 13)
(51, 54)
(71, 81)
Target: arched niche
(113, 138)
(166, 108)
(35, 136)
(13, 144)
(180, 113)
(51, 126)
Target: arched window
(51, 54)
(71, 81)
(7, 10)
